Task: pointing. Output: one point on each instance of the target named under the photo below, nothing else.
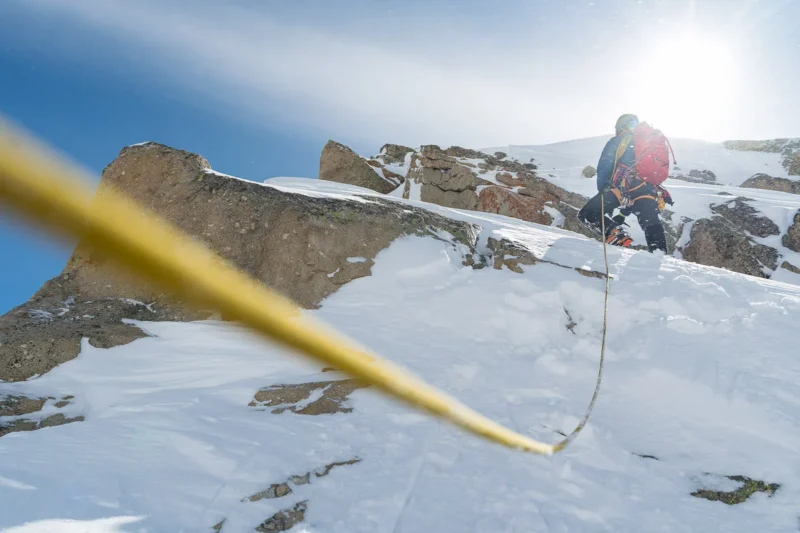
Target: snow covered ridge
(724, 193)
(172, 420)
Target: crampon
(617, 237)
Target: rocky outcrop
(788, 148)
(747, 487)
(332, 399)
(696, 176)
(21, 413)
(442, 180)
(589, 171)
(340, 164)
(451, 177)
(786, 265)
(323, 244)
(767, 182)
(792, 238)
(289, 517)
(742, 215)
(394, 154)
(505, 202)
(717, 242)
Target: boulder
(503, 201)
(744, 216)
(589, 171)
(790, 267)
(340, 164)
(244, 222)
(466, 199)
(394, 154)
(716, 242)
(791, 162)
(792, 238)
(767, 182)
(511, 181)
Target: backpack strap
(623, 145)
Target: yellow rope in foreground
(49, 193)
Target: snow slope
(701, 377)
(562, 163)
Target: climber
(629, 175)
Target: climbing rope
(599, 381)
(50, 193)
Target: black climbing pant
(645, 207)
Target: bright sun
(687, 86)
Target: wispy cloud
(353, 83)
(265, 70)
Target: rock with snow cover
(340, 164)
(300, 245)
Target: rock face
(323, 243)
(443, 181)
(764, 181)
(452, 177)
(502, 201)
(696, 176)
(394, 154)
(792, 238)
(716, 242)
(742, 215)
(334, 395)
(339, 163)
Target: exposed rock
(505, 253)
(748, 488)
(14, 408)
(715, 242)
(340, 164)
(791, 163)
(507, 179)
(589, 171)
(503, 201)
(287, 397)
(500, 155)
(790, 267)
(767, 182)
(466, 199)
(24, 424)
(742, 215)
(697, 176)
(285, 520)
(244, 222)
(792, 238)
(457, 178)
(279, 490)
(20, 405)
(394, 153)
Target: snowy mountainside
(204, 427)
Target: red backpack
(652, 151)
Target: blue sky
(257, 87)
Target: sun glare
(687, 86)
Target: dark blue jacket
(605, 167)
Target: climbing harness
(50, 193)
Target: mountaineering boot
(617, 237)
(656, 237)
